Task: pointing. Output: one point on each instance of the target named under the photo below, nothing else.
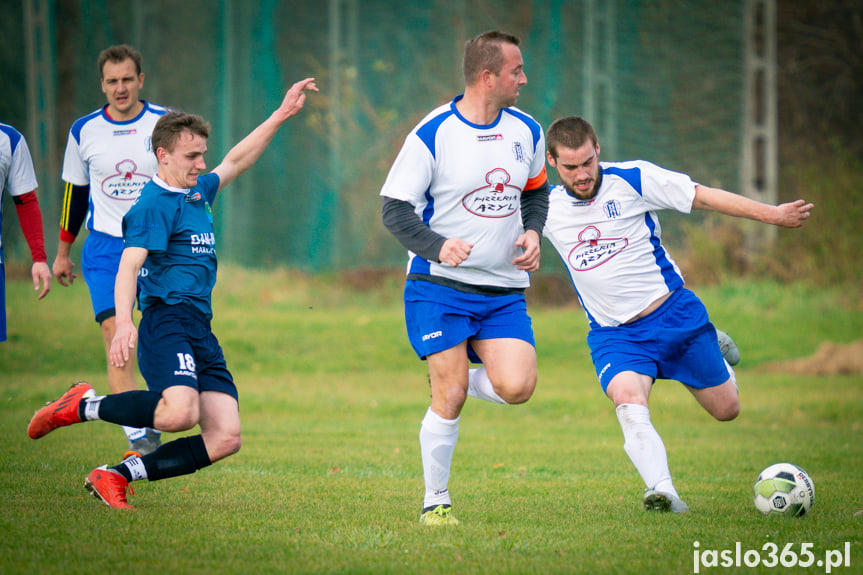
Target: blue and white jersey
(115, 159)
(611, 244)
(176, 226)
(465, 181)
(17, 175)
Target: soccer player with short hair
(467, 196)
(108, 161)
(170, 258)
(18, 177)
(644, 324)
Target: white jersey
(115, 159)
(612, 245)
(465, 181)
(17, 175)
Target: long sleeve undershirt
(402, 221)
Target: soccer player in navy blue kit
(170, 259)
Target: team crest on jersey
(593, 251)
(126, 184)
(612, 209)
(518, 153)
(496, 200)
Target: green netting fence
(662, 80)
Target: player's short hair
(168, 128)
(484, 52)
(570, 132)
(119, 53)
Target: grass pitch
(329, 477)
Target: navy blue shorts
(439, 317)
(676, 341)
(100, 260)
(177, 347)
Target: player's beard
(580, 195)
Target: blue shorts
(177, 347)
(676, 341)
(100, 260)
(2, 300)
(439, 317)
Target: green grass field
(329, 478)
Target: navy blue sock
(122, 470)
(179, 457)
(130, 408)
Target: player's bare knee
(516, 390)
(516, 395)
(231, 444)
(222, 445)
(175, 420)
(454, 397)
(728, 411)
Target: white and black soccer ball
(784, 489)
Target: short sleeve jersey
(465, 181)
(115, 159)
(176, 226)
(612, 245)
(16, 168)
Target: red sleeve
(30, 217)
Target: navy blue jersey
(176, 226)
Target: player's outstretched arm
(249, 149)
(789, 215)
(125, 289)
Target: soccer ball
(784, 489)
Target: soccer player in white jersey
(644, 324)
(108, 160)
(18, 177)
(467, 196)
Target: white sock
(480, 387)
(644, 447)
(135, 433)
(731, 373)
(136, 468)
(91, 407)
(438, 437)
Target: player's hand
(793, 214)
(296, 97)
(62, 269)
(41, 275)
(529, 259)
(125, 338)
(454, 252)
